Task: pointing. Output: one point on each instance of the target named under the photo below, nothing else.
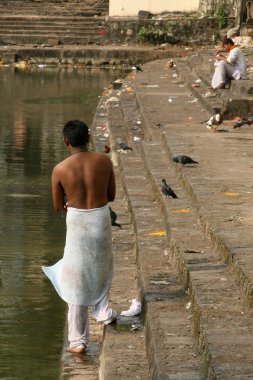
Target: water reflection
(34, 105)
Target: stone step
(35, 28)
(40, 39)
(194, 251)
(167, 327)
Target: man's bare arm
(111, 190)
(57, 192)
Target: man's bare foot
(77, 350)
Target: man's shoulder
(61, 165)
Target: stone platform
(188, 260)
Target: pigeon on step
(167, 190)
(113, 216)
(184, 160)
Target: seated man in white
(233, 66)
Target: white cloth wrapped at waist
(83, 276)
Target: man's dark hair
(77, 132)
(228, 41)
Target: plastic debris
(231, 194)
(136, 139)
(210, 94)
(134, 309)
(157, 233)
(183, 211)
(188, 305)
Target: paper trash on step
(134, 309)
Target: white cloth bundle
(134, 309)
(83, 276)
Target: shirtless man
(82, 185)
(86, 178)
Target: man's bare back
(85, 180)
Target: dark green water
(34, 105)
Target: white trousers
(223, 72)
(78, 320)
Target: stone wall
(207, 7)
(186, 31)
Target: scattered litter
(188, 305)
(182, 210)
(198, 81)
(113, 99)
(106, 135)
(41, 65)
(138, 122)
(134, 309)
(170, 100)
(170, 64)
(231, 194)
(195, 85)
(210, 94)
(136, 139)
(152, 85)
(193, 101)
(136, 327)
(157, 233)
(192, 251)
(174, 75)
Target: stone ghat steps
(21, 22)
(202, 243)
(43, 39)
(68, 31)
(49, 20)
(54, 7)
(171, 349)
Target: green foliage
(221, 15)
(156, 34)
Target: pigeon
(124, 147)
(137, 68)
(184, 160)
(167, 190)
(113, 216)
(214, 121)
(242, 122)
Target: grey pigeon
(113, 216)
(124, 147)
(242, 122)
(184, 160)
(167, 190)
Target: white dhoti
(223, 73)
(234, 68)
(83, 276)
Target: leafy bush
(221, 15)
(156, 34)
